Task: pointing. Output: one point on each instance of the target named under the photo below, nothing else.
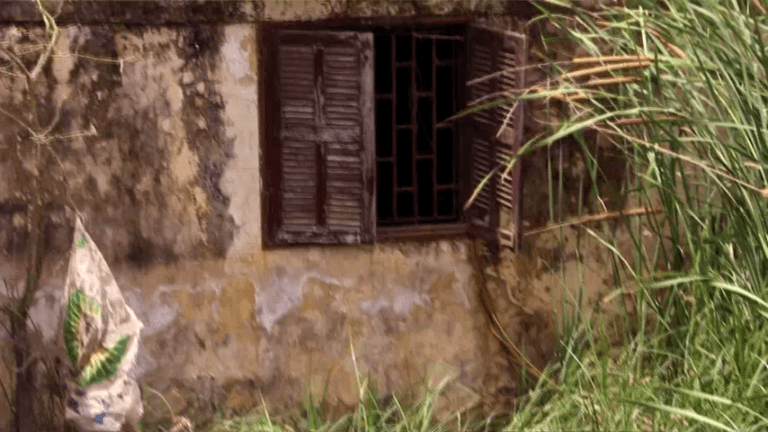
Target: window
(416, 78)
(360, 139)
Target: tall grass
(691, 115)
(690, 112)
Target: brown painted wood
(492, 52)
(321, 138)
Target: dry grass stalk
(601, 82)
(759, 6)
(609, 59)
(633, 121)
(674, 49)
(639, 64)
(580, 95)
(600, 217)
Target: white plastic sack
(101, 339)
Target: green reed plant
(691, 116)
(684, 96)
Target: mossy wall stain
(168, 181)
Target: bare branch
(11, 74)
(53, 122)
(8, 398)
(15, 60)
(17, 120)
(94, 58)
(30, 361)
(50, 26)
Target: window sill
(421, 232)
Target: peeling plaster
(236, 59)
(62, 65)
(241, 180)
(156, 316)
(145, 363)
(280, 293)
(400, 303)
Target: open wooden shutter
(321, 149)
(496, 58)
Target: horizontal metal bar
(422, 232)
(443, 37)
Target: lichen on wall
(141, 144)
(291, 10)
(163, 161)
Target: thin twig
(53, 122)
(54, 39)
(8, 398)
(94, 58)
(27, 364)
(17, 61)
(11, 405)
(494, 324)
(161, 397)
(506, 119)
(600, 217)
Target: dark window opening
(416, 79)
(360, 142)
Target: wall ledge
(146, 12)
(166, 12)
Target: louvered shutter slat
(322, 193)
(490, 52)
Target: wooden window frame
(424, 232)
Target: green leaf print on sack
(103, 363)
(78, 304)
(81, 242)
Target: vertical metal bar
(414, 98)
(434, 127)
(393, 72)
(455, 103)
(464, 124)
(272, 178)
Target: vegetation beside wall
(679, 91)
(682, 95)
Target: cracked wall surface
(158, 149)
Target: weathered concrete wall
(167, 179)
